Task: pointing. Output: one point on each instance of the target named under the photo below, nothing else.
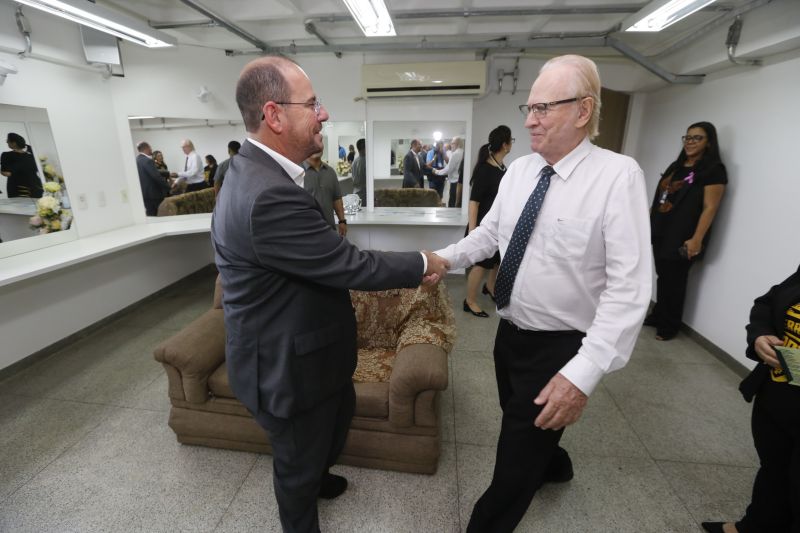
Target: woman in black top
(210, 170)
(485, 182)
(684, 206)
(19, 167)
(774, 321)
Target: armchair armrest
(195, 352)
(417, 368)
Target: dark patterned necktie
(519, 240)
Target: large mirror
(188, 172)
(392, 150)
(34, 198)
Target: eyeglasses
(316, 104)
(542, 108)
(692, 138)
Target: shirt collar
(295, 171)
(569, 162)
(147, 156)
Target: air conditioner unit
(462, 78)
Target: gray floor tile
(477, 411)
(129, 474)
(602, 430)
(711, 492)
(35, 431)
(172, 310)
(375, 501)
(110, 367)
(153, 397)
(690, 413)
(447, 410)
(607, 495)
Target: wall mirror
(34, 198)
(391, 143)
(210, 138)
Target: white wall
(754, 244)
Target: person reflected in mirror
(19, 166)
(452, 170)
(360, 172)
(351, 154)
(291, 329)
(191, 178)
(563, 326)
(210, 170)
(154, 186)
(322, 183)
(484, 184)
(219, 178)
(436, 160)
(412, 168)
(775, 423)
(161, 165)
(684, 206)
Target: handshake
(437, 268)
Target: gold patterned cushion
(390, 320)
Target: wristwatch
(342, 221)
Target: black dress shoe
(468, 309)
(485, 290)
(713, 527)
(332, 486)
(560, 468)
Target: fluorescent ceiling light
(662, 13)
(105, 20)
(372, 17)
(140, 117)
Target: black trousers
(451, 200)
(151, 206)
(775, 504)
(673, 276)
(436, 183)
(303, 448)
(525, 361)
(199, 186)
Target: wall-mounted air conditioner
(463, 78)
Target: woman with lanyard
(686, 201)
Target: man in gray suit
(412, 168)
(291, 330)
(154, 186)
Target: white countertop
(34, 263)
(18, 206)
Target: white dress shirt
(451, 170)
(194, 169)
(587, 265)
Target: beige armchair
(404, 337)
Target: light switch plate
(83, 203)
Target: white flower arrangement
(50, 214)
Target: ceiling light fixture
(105, 20)
(659, 14)
(372, 17)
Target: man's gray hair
(586, 82)
(258, 84)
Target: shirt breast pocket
(568, 238)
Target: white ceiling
(280, 23)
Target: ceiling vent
(455, 78)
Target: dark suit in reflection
(412, 170)
(154, 186)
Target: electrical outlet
(83, 202)
(124, 194)
(101, 199)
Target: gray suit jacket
(291, 329)
(153, 184)
(412, 172)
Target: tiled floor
(84, 444)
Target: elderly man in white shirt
(452, 170)
(571, 224)
(192, 172)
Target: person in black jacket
(154, 185)
(775, 504)
(686, 200)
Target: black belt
(538, 332)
